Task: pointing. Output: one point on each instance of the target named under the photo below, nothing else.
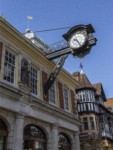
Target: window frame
(15, 67)
(54, 91)
(92, 121)
(84, 123)
(66, 99)
(64, 141)
(36, 79)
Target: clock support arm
(54, 73)
(58, 53)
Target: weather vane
(28, 20)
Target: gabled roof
(99, 90)
(83, 81)
(97, 86)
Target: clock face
(77, 40)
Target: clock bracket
(64, 52)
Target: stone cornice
(54, 110)
(17, 102)
(16, 94)
(10, 91)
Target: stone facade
(29, 120)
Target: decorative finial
(28, 20)
(81, 66)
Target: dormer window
(86, 96)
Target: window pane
(78, 107)
(92, 123)
(83, 97)
(84, 107)
(81, 107)
(34, 81)
(52, 94)
(87, 96)
(66, 103)
(92, 107)
(64, 142)
(85, 123)
(9, 67)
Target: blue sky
(47, 14)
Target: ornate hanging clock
(80, 39)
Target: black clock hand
(77, 41)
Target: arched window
(64, 142)
(34, 138)
(3, 135)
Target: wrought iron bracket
(63, 52)
(58, 53)
(54, 73)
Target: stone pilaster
(25, 89)
(54, 137)
(10, 138)
(49, 143)
(18, 132)
(76, 141)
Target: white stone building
(28, 119)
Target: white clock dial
(77, 40)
